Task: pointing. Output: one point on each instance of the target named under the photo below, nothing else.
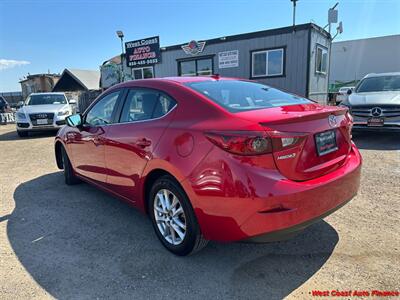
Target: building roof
(87, 79)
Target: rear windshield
(46, 99)
(237, 96)
(379, 84)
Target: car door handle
(97, 141)
(143, 143)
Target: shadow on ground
(377, 140)
(12, 135)
(78, 242)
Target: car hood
(47, 108)
(374, 98)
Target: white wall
(352, 60)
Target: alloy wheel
(170, 217)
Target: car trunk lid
(309, 140)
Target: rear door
(130, 144)
(87, 142)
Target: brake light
(350, 120)
(242, 142)
(286, 140)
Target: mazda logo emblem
(376, 112)
(332, 120)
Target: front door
(131, 142)
(87, 142)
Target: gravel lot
(78, 242)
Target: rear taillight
(350, 120)
(242, 142)
(286, 140)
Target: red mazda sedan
(212, 158)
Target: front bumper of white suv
(40, 121)
(376, 117)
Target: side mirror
(20, 103)
(349, 91)
(72, 101)
(74, 120)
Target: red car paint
(234, 196)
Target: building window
(322, 60)
(196, 67)
(142, 73)
(267, 63)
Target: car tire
(179, 215)
(22, 133)
(70, 178)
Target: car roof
(48, 93)
(177, 79)
(382, 74)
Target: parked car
(4, 106)
(375, 102)
(43, 111)
(212, 158)
(343, 93)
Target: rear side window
(236, 95)
(145, 104)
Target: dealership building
(295, 59)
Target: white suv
(375, 102)
(43, 111)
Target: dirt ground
(80, 243)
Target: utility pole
(294, 13)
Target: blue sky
(37, 36)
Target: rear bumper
(287, 233)
(275, 205)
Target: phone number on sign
(143, 62)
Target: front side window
(321, 65)
(101, 113)
(43, 99)
(145, 104)
(379, 84)
(237, 96)
(267, 63)
(143, 73)
(196, 67)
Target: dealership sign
(144, 52)
(228, 59)
(194, 48)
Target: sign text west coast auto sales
(143, 52)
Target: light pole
(120, 34)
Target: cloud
(10, 63)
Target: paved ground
(77, 242)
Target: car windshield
(237, 96)
(379, 84)
(46, 99)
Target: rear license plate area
(376, 122)
(326, 142)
